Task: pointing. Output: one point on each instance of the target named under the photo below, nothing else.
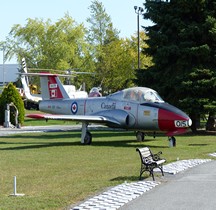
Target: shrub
(11, 95)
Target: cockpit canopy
(138, 94)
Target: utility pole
(138, 11)
(3, 65)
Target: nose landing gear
(172, 141)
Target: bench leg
(161, 169)
(140, 176)
(151, 171)
(141, 172)
(152, 174)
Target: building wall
(8, 73)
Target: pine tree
(183, 46)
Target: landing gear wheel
(140, 136)
(88, 138)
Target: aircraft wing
(101, 118)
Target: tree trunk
(211, 122)
(193, 117)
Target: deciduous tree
(60, 45)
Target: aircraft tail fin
(51, 87)
(25, 81)
(25, 70)
(25, 86)
(24, 65)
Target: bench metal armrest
(156, 157)
(147, 160)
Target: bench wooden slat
(150, 161)
(159, 162)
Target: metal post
(138, 11)
(15, 189)
(3, 66)
(7, 123)
(138, 42)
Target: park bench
(150, 161)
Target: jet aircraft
(138, 108)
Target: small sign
(147, 113)
(53, 85)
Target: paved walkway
(129, 196)
(192, 189)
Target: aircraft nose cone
(173, 120)
(190, 122)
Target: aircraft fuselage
(130, 115)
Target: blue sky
(16, 12)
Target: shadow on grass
(43, 135)
(112, 143)
(124, 178)
(197, 145)
(72, 138)
(67, 134)
(38, 145)
(125, 143)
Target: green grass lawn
(54, 170)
